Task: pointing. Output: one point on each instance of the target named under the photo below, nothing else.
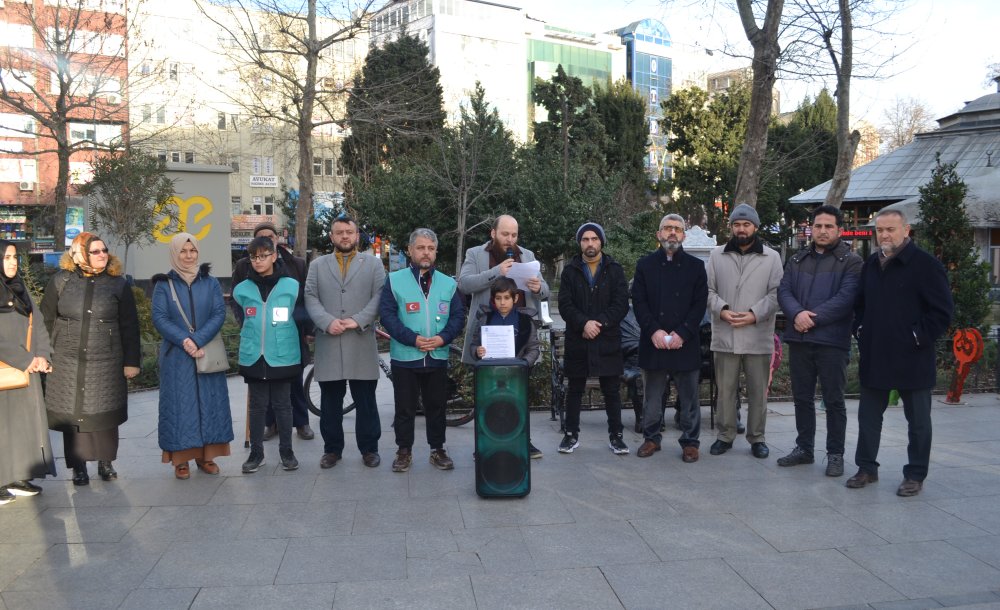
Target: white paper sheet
(522, 272)
(498, 341)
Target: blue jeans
(367, 426)
(654, 384)
(808, 362)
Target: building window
(175, 157)
(161, 116)
(172, 74)
(145, 68)
(222, 121)
(995, 256)
(234, 162)
(189, 157)
(328, 166)
(317, 166)
(236, 205)
(147, 113)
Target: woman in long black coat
(25, 452)
(91, 317)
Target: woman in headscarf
(90, 314)
(195, 421)
(25, 452)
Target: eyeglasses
(262, 257)
(672, 229)
(101, 251)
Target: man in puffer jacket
(817, 294)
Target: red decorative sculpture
(967, 345)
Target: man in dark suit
(295, 267)
(669, 296)
(904, 305)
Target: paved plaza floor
(597, 530)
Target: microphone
(510, 252)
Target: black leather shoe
(760, 450)
(719, 447)
(107, 471)
(306, 433)
(861, 479)
(80, 476)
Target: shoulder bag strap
(27, 345)
(177, 302)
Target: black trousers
(367, 426)
(612, 403)
(300, 409)
(807, 363)
(916, 408)
(412, 386)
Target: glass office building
(649, 68)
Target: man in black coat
(296, 268)
(669, 296)
(593, 300)
(817, 294)
(903, 307)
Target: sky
(943, 46)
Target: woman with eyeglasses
(195, 422)
(91, 317)
(25, 452)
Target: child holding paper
(501, 311)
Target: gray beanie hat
(744, 212)
(591, 226)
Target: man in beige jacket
(743, 279)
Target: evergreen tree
(622, 111)
(395, 109)
(946, 232)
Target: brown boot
(861, 479)
(690, 454)
(648, 448)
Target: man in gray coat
(484, 264)
(342, 296)
(743, 279)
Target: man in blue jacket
(423, 312)
(669, 295)
(817, 294)
(904, 306)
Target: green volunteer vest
(269, 329)
(424, 316)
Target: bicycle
(459, 409)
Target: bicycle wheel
(313, 394)
(459, 411)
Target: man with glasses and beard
(743, 279)
(669, 295)
(342, 296)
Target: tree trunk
(463, 219)
(304, 207)
(62, 187)
(847, 141)
(565, 138)
(765, 62)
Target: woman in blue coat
(195, 421)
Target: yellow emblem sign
(189, 215)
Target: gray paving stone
(159, 599)
(95, 566)
(62, 493)
(360, 486)
(925, 569)
(309, 519)
(577, 588)
(976, 453)
(970, 480)
(432, 484)
(343, 558)
(213, 563)
(300, 597)
(811, 579)
(909, 521)
(413, 515)
(701, 537)
(259, 488)
(983, 548)
(58, 600)
(540, 507)
(907, 604)
(499, 549)
(578, 545)
(623, 500)
(983, 511)
(968, 599)
(441, 593)
(166, 491)
(84, 524)
(804, 530)
(190, 523)
(699, 583)
(15, 559)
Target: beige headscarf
(189, 273)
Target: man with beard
(423, 312)
(342, 297)
(817, 294)
(669, 295)
(593, 300)
(743, 279)
(483, 265)
(903, 307)
(294, 267)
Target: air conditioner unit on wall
(27, 186)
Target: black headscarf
(15, 297)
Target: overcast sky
(948, 46)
